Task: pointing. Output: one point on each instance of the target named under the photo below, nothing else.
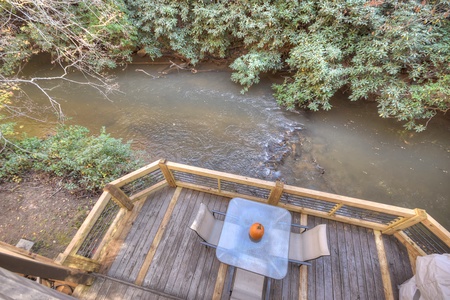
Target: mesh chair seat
(247, 285)
(206, 226)
(309, 245)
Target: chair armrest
(208, 244)
(218, 212)
(298, 262)
(299, 226)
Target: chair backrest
(206, 226)
(310, 244)
(247, 285)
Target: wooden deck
(161, 258)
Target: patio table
(268, 256)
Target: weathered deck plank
(90, 292)
(371, 266)
(180, 278)
(138, 241)
(340, 249)
(181, 265)
(375, 269)
(359, 263)
(206, 267)
(164, 261)
(335, 260)
(182, 268)
(351, 263)
(181, 273)
(400, 269)
(150, 228)
(352, 270)
(106, 288)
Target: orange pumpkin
(256, 231)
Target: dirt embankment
(40, 210)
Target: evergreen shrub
(81, 161)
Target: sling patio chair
(308, 245)
(207, 226)
(247, 285)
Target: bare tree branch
(78, 35)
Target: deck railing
(413, 227)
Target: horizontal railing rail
(414, 227)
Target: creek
(202, 119)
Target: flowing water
(202, 119)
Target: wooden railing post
(119, 196)
(419, 216)
(167, 173)
(275, 193)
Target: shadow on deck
(159, 257)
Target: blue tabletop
(268, 256)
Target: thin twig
(154, 77)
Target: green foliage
(89, 35)
(396, 52)
(249, 66)
(402, 62)
(319, 73)
(6, 128)
(81, 161)
(82, 35)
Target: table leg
(268, 284)
(231, 270)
